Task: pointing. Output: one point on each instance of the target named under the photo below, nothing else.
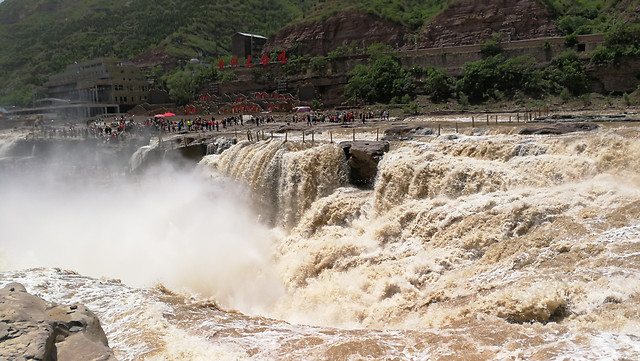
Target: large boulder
(362, 158)
(559, 128)
(405, 132)
(36, 330)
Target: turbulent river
(483, 246)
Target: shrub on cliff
(566, 71)
(491, 47)
(381, 79)
(438, 86)
(182, 84)
(318, 64)
(621, 41)
(496, 77)
(296, 65)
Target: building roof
(252, 35)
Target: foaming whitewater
(471, 247)
(284, 177)
(139, 156)
(8, 139)
(167, 227)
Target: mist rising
(82, 212)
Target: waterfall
(139, 156)
(9, 139)
(285, 177)
(220, 144)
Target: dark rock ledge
(34, 329)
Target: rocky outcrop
(404, 132)
(155, 57)
(321, 37)
(620, 78)
(559, 128)
(466, 22)
(36, 330)
(363, 158)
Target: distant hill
(39, 38)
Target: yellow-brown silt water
(473, 247)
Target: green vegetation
(438, 86)
(411, 13)
(621, 41)
(590, 16)
(491, 46)
(496, 78)
(566, 72)
(571, 40)
(39, 38)
(340, 51)
(319, 64)
(382, 79)
(183, 84)
(296, 64)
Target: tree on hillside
(382, 79)
(621, 41)
(438, 86)
(566, 72)
(496, 77)
(183, 84)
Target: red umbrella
(168, 115)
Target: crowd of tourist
(115, 128)
(340, 117)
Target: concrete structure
(243, 45)
(93, 87)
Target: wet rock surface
(594, 118)
(559, 128)
(363, 158)
(406, 132)
(34, 329)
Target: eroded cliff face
(321, 37)
(462, 23)
(469, 21)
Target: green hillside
(592, 16)
(40, 37)
(411, 13)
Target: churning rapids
(484, 246)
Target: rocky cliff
(461, 23)
(469, 21)
(321, 37)
(36, 330)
